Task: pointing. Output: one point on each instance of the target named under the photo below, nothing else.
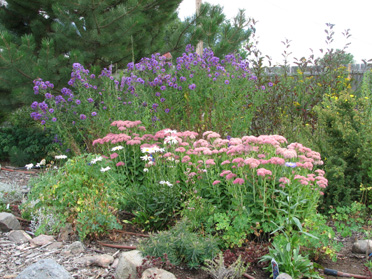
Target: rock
(8, 222)
(42, 240)
(75, 248)
(361, 247)
(55, 246)
(44, 269)
(284, 276)
(128, 262)
(98, 260)
(157, 273)
(19, 236)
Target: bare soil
(347, 261)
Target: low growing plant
(286, 253)
(217, 268)
(181, 246)
(80, 192)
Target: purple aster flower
(42, 122)
(155, 105)
(182, 78)
(90, 100)
(92, 76)
(73, 122)
(270, 84)
(192, 86)
(43, 106)
(82, 116)
(51, 110)
(227, 81)
(129, 103)
(94, 113)
(76, 66)
(162, 100)
(191, 75)
(104, 108)
(77, 102)
(163, 88)
(54, 119)
(69, 100)
(166, 110)
(140, 80)
(48, 95)
(263, 87)
(290, 164)
(157, 94)
(34, 105)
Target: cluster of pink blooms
(252, 152)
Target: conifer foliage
(43, 38)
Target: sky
(303, 23)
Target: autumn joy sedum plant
(80, 192)
(195, 93)
(228, 187)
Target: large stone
(362, 247)
(8, 222)
(157, 273)
(74, 248)
(44, 269)
(42, 239)
(19, 236)
(284, 276)
(127, 265)
(98, 260)
(55, 246)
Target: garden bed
(346, 260)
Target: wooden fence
(356, 72)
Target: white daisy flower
(146, 158)
(119, 147)
(95, 160)
(105, 169)
(29, 166)
(145, 170)
(171, 140)
(168, 131)
(168, 183)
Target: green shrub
(181, 246)
(346, 133)
(22, 145)
(80, 193)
